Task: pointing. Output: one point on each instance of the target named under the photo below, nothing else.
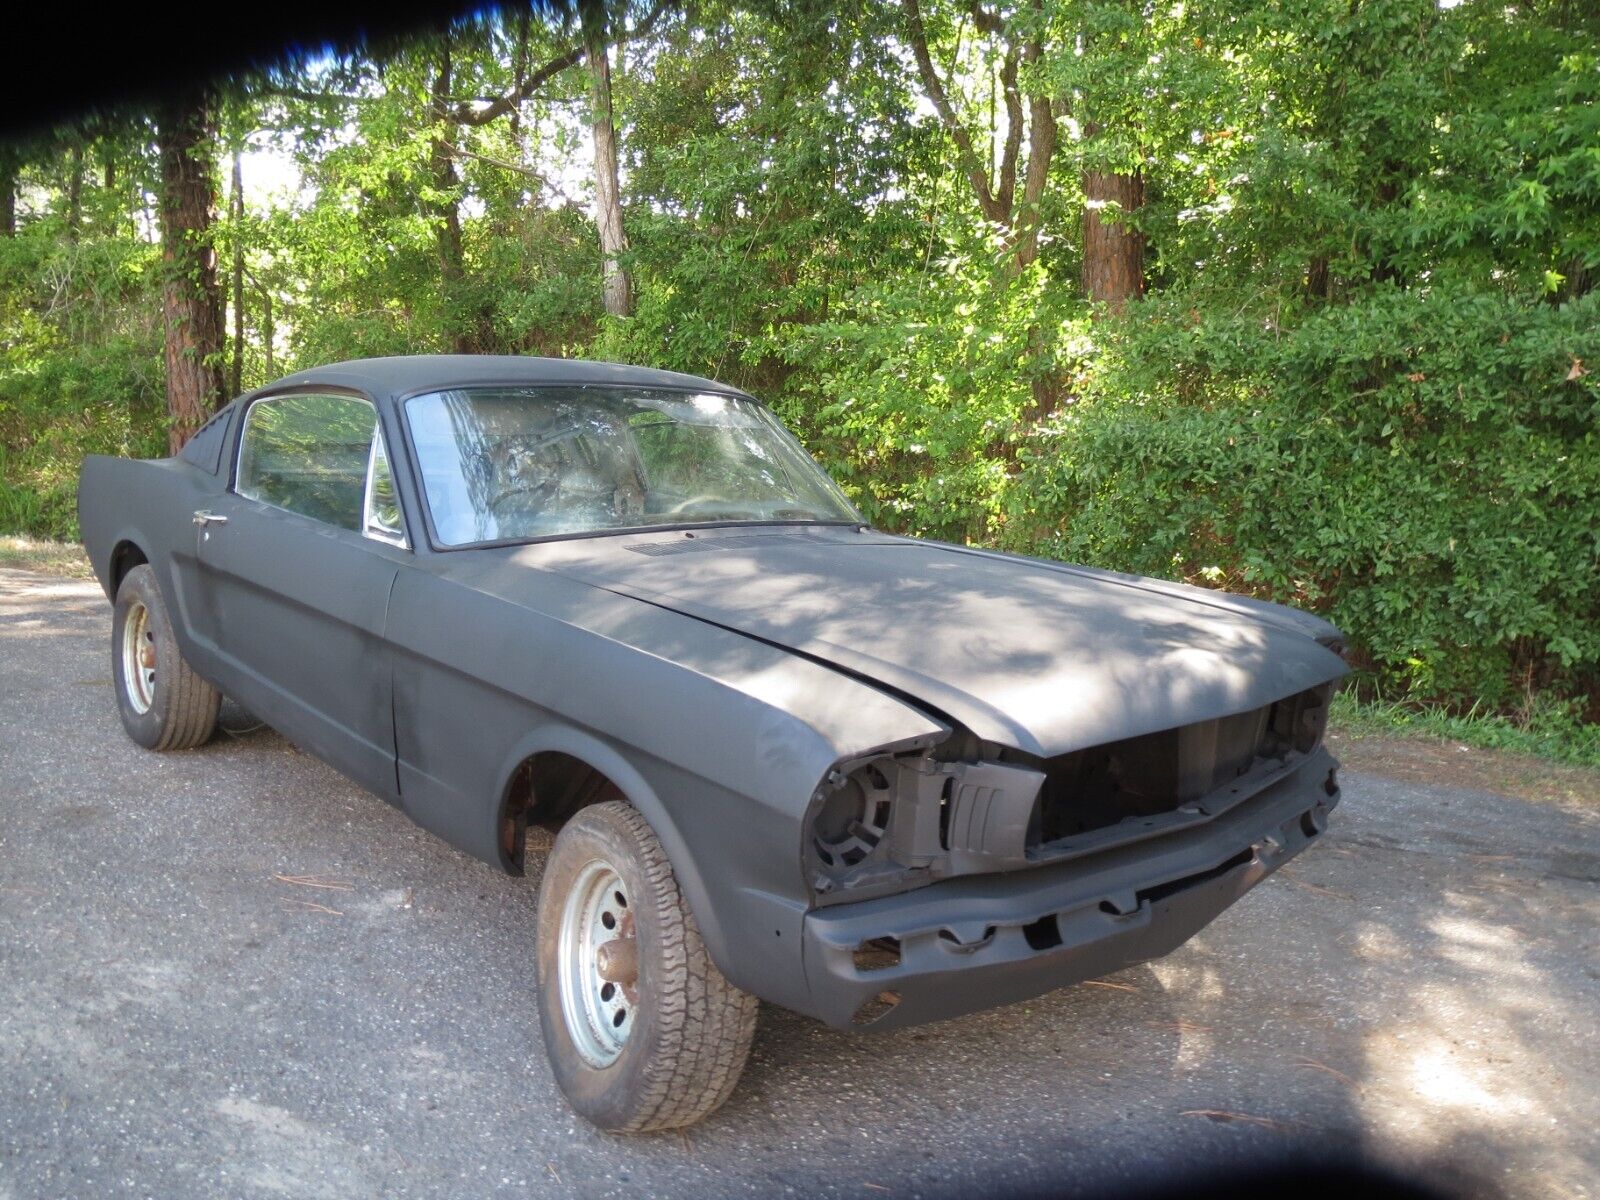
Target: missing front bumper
(974, 942)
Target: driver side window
(323, 457)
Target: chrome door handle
(202, 517)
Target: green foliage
(1361, 380)
(915, 392)
(1419, 467)
(1550, 729)
(80, 368)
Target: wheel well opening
(546, 790)
(124, 558)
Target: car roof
(392, 378)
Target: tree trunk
(8, 192)
(267, 332)
(108, 182)
(74, 191)
(1319, 284)
(447, 210)
(608, 201)
(1113, 251)
(191, 301)
(236, 212)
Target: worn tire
(692, 1028)
(181, 712)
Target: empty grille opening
(945, 796)
(875, 1008)
(1044, 933)
(879, 954)
(950, 936)
(1157, 773)
(1171, 888)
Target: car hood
(1042, 657)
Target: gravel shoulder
(229, 971)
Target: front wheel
(643, 1031)
(164, 705)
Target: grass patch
(46, 557)
(1550, 731)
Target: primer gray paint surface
(718, 679)
(1041, 660)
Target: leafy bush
(913, 397)
(1423, 468)
(80, 370)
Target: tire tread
(704, 1026)
(712, 1023)
(191, 703)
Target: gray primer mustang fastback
(895, 780)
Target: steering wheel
(695, 504)
(543, 490)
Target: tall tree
(74, 189)
(445, 204)
(236, 216)
(1009, 192)
(597, 35)
(602, 125)
(10, 167)
(191, 299)
(1116, 40)
(1113, 251)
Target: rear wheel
(164, 705)
(642, 1029)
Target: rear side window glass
(309, 455)
(204, 449)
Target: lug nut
(617, 961)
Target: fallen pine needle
(312, 881)
(1217, 1114)
(311, 906)
(877, 1187)
(1312, 887)
(554, 1174)
(1106, 983)
(1321, 1066)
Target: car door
(296, 562)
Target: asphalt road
(177, 1020)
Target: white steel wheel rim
(599, 1012)
(139, 658)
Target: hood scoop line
(904, 697)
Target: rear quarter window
(204, 449)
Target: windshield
(511, 464)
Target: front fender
(556, 737)
(754, 935)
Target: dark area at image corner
(133, 56)
(65, 63)
(1306, 1175)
